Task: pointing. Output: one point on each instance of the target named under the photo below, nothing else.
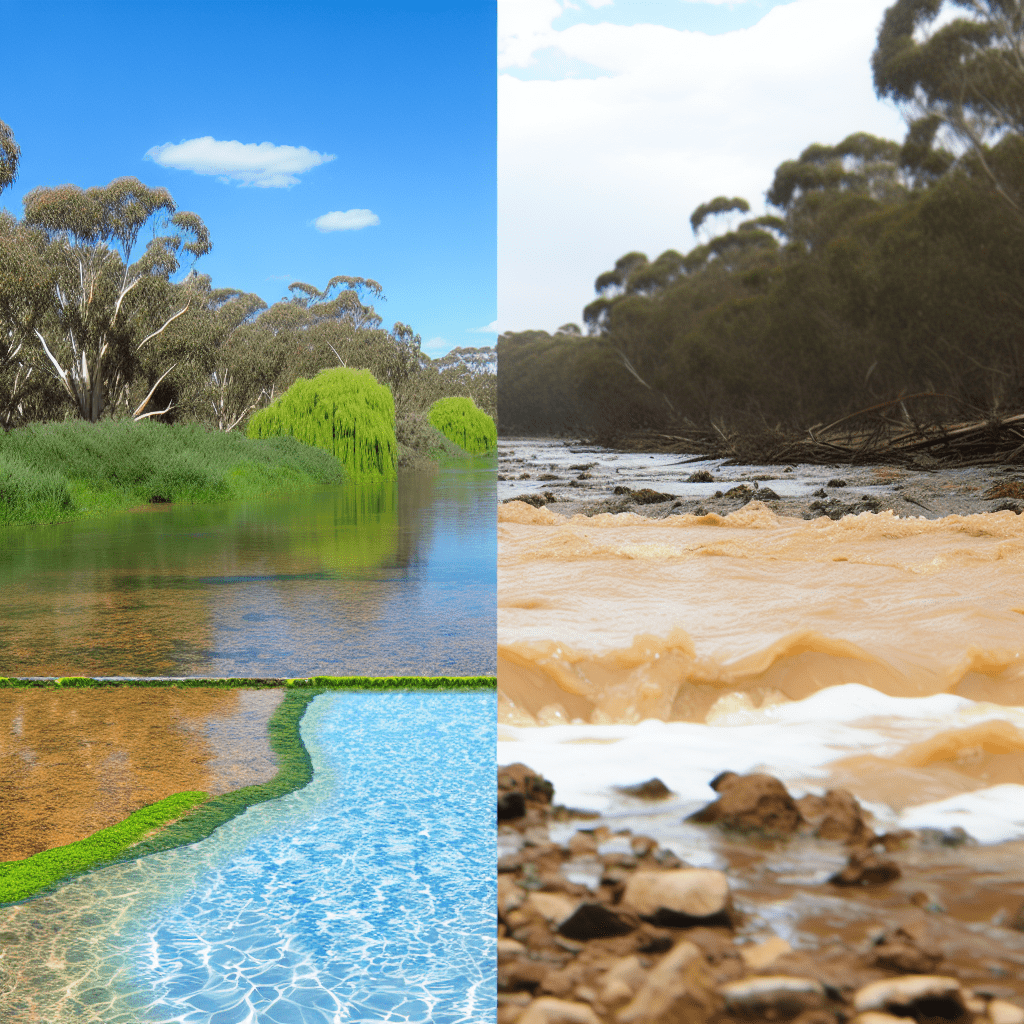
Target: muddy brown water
(73, 762)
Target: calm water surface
(360, 580)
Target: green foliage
(344, 412)
(23, 878)
(319, 683)
(462, 422)
(58, 471)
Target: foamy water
(877, 653)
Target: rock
(644, 496)
(552, 906)
(548, 1010)
(702, 476)
(921, 996)
(674, 991)
(751, 803)
(521, 973)
(652, 789)
(582, 843)
(511, 805)
(866, 868)
(836, 482)
(678, 898)
(836, 816)
(1002, 1012)
(508, 948)
(517, 778)
(510, 895)
(773, 996)
(900, 950)
(873, 1017)
(595, 921)
(761, 954)
(622, 981)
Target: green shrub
(345, 412)
(462, 422)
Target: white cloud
(491, 328)
(589, 169)
(264, 165)
(346, 220)
(437, 347)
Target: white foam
(793, 742)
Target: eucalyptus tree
(10, 154)
(959, 84)
(101, 309)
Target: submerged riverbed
(367, 896)
(391, 579)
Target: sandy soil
(75, 761)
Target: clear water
(367, 896)
(394, 579)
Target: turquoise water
(367, 896)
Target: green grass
(54, 472)
(462, 422)
(320, 683)
(344, 412)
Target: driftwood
(868, 436)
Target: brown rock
(773, 996)
(652, 789)
(675, 991)
(517, 778)
(1002, 1012)
(582, 843)
(622, 981)
(547, 1010)
(761, 954)
(751, 803)
(921, 996)
(836, 816)
(678, 898)
(900, 950)
(866, 868)
(596, 921)
(522, 972)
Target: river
(379, 580)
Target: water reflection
(350, 580)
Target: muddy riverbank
(573, 479)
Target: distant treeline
(890, 270)
(92, 329)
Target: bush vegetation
(57, 471)
(344, 412)
(462, 422)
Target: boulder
(773, 996)
(681, 897)
(920, 996)
(751, 803)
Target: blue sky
(375, 121)
(617, 118)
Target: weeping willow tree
(345, 412)
(462, 422)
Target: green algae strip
(22, 878)
(197, 817)
(321, 683)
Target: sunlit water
(393, 579)
(367, 896)
(881, 654)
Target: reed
(462, 422)
(344, 412)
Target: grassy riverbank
(54, 472)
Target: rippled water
(367, 896)
(393, 579)
(877, 653)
